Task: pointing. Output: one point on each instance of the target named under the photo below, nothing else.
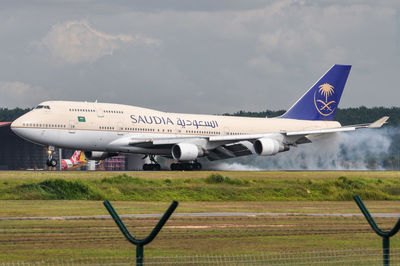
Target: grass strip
(214, 187)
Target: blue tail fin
(321, 101)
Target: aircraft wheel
(151, 167)
(174, 167)
(187, 166)
(51, 162)
(146, 167)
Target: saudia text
(158, 120)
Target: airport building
(19, 154)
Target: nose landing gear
(50, 161)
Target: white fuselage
(109, 127)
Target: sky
(195, 56)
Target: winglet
(379, 122)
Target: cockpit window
(42, 107)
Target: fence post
(384, 234)
(140, 243)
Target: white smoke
(359, 150)
(230, 166)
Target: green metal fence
(318, 257)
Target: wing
(299, 137)
(231, 146)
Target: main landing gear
(186, 166)
(153, 166)
(50, 161)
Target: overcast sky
(196, 56)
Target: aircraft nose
(17, 122)
(16, 126)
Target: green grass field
(199, 186)
(35, 175)
(39, 194)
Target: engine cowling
(186, 152)
(98, 155)
(268, 146)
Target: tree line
(9, 115)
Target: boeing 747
(103, 130)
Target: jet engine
(98, 155)
(268, 146)
(186, 152)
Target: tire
(188, 166)
(156, 167)
(53, 163)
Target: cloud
(75, 42)
(264, 53)
(22, 94)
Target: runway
(200, 214)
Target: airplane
(103, 130)
(77, 160)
